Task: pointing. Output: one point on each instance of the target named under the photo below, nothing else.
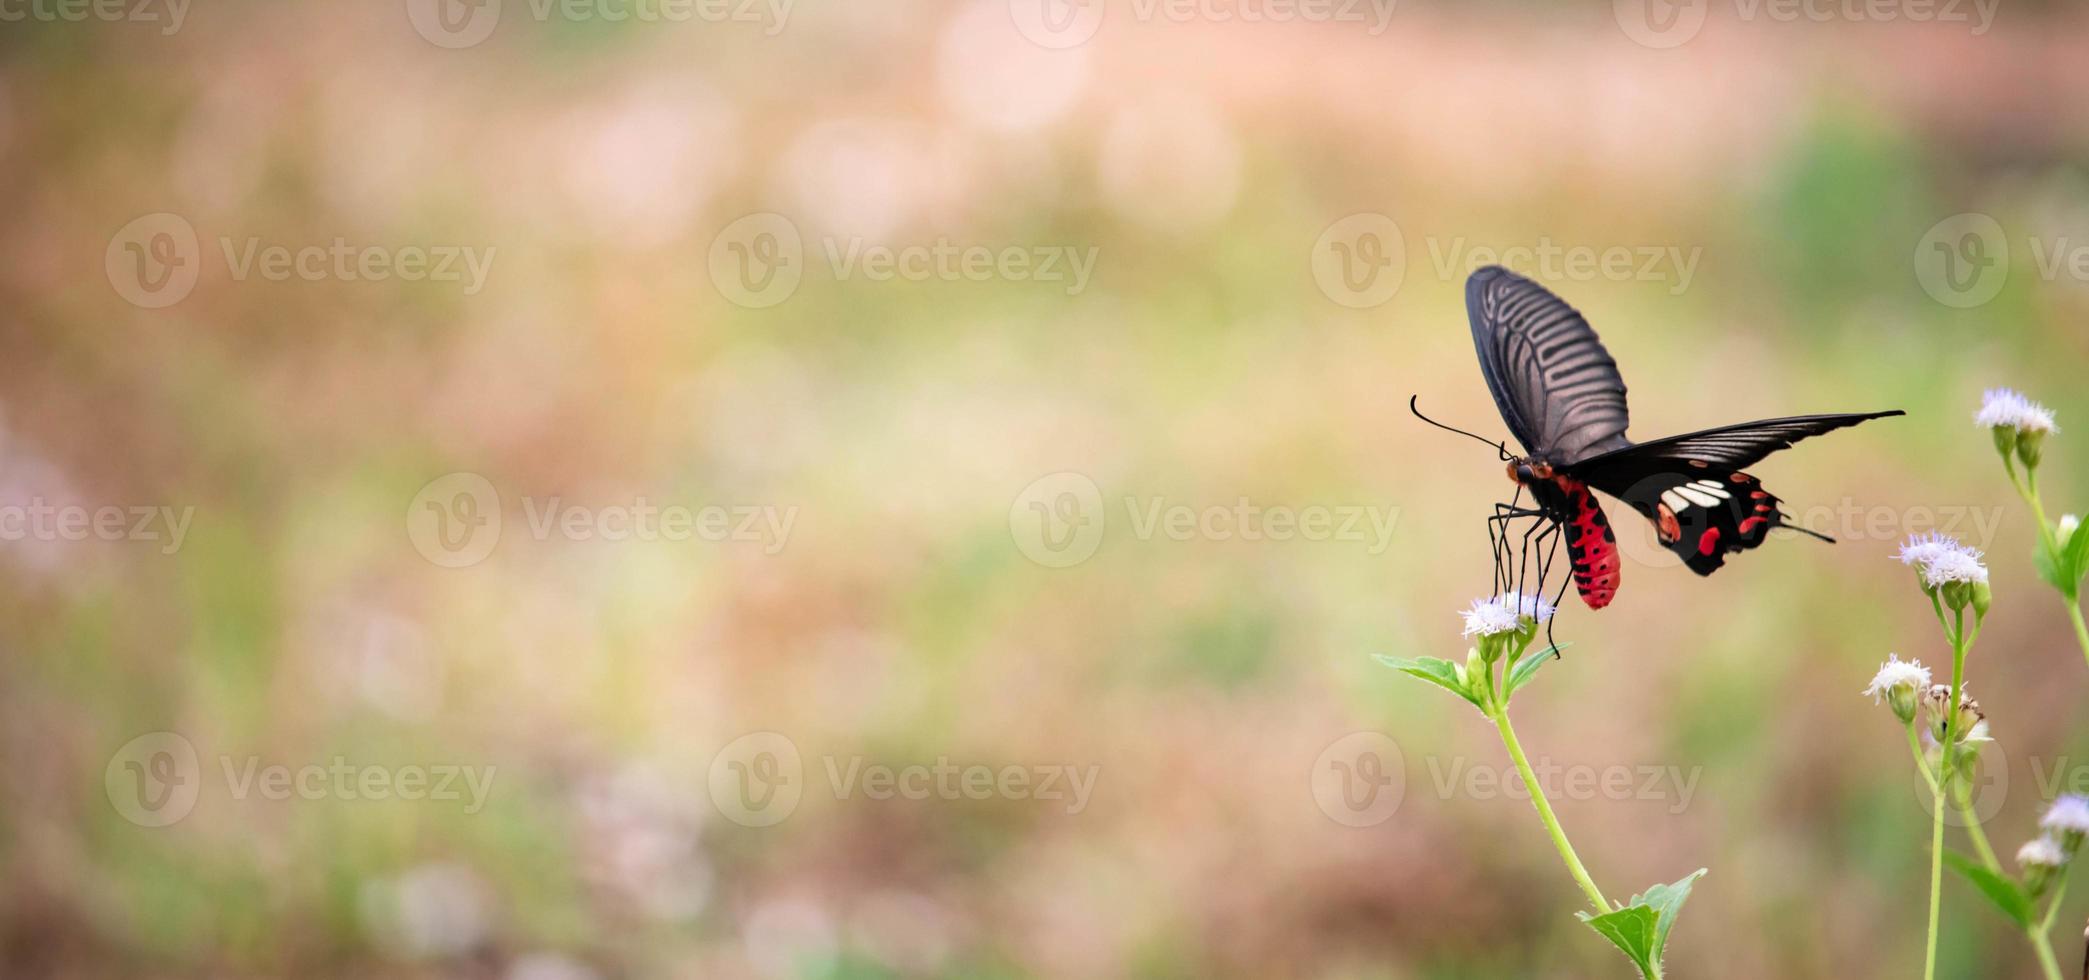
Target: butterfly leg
(1557, 599)
(1525, 554)
(1498, 543)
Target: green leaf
(2000, 890)
(1441, 673)
(1668, 899)
(1634, 929)
(1641, 927)
(1527, 668)
(2050, 568)
(2075, 558)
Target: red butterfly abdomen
(1590, 545)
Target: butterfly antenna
(1413, 405)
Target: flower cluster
(1900, 684)
(1504, 614)
(2019, 424)
(2064, 826)
(1948, 570)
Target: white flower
(2043, 852)
(1504, 614)
(1959, 566)
(2001, 408)
(1529, 605)
(2069, 814)
(1922, 549)
(2068, 523)
(1896, 675)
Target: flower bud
(2040, 859)
(1474, 674)
(2028, 443)
(2005, 440)
(1901, 685)
(2067, 821)
(1968, 722)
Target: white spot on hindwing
(1712, 488)
(1697, 495)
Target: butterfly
(1560, 393)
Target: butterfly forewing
(1730, 446)
(1557, 388)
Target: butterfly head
(1529, 472)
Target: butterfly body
(1561, 394)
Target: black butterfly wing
(1558, 390)
(1691, 486)
(1734, 446)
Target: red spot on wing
(1591, 546)
(1749, 524)
(1709, 541)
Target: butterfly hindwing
(1703, 513)
(1557, 388)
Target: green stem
(1973, 830)
(1936, 886)
(1500, 713)
(1945, 767)
(2044, 948)
(1552, 824)
(2028, 489)
(2081, 630)
(1921, 764)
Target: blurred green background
(1787, 177)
